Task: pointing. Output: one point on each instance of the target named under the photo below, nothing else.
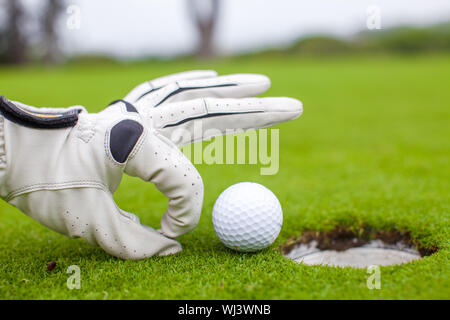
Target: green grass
(371, 150)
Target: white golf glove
(62, 166)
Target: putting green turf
(371, 149)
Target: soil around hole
(344, 238)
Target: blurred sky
(134, 28)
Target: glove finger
(122, 235)
(162, 163)
(92, 214)
(201, 119)
(98, 220)
(229, 86)
(148, 87)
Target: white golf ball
(247, 217)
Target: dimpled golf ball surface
(247, 217)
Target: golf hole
(342, 247)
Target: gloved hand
(62, 166)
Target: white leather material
(91, 214)
(230, 86)
(163, 164)
(139, 91)
(65, 178)
(46, 158)
(220, 115)
(221, 103)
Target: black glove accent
(38, 120)
(123, 138)
(129, 106)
